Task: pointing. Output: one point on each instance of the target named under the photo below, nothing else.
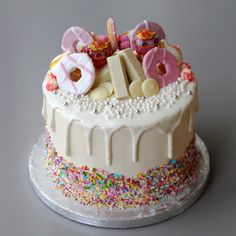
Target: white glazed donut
(67, 65)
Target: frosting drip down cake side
(117, 107)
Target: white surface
(30, 37)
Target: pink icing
(102, 37)
(74, 35)
(155, 57)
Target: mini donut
(172, 49)
(146, 25)
(161, 65)
(70, 63)
(75, 38)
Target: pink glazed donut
(67, 65)
(74, 38)
(146, 25)
(161, 65)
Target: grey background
(30, 35)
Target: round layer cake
(120, 111)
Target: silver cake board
(115, 218)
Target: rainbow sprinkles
(99, 188)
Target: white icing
(190, 121)
(170, 145)
(136, 133)
(88, 135)
(171, 132)
(52, 118)
(154, 112)
(44, 109)
(108, 135)
(128, 108)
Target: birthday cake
(119, 112)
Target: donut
(111, 31)
(155, 31)
(161, 65)
(172, 49)
(52, 85)
(75, 38)
(70, 63)
(56, 60)
(123, 41)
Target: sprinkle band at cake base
(174, 197)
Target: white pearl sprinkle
(114, 108)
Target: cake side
(125, 145)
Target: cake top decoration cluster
(135, 64)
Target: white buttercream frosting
(163, 112)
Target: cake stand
(115, 218)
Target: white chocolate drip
(136, 134)
(170, 135)
(108, 143)
(190, 120)
(169, 129)
(67, 138)
(44, 109)
(170, 145)
(196, 100)
(88, 135)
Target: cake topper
(142, 53)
